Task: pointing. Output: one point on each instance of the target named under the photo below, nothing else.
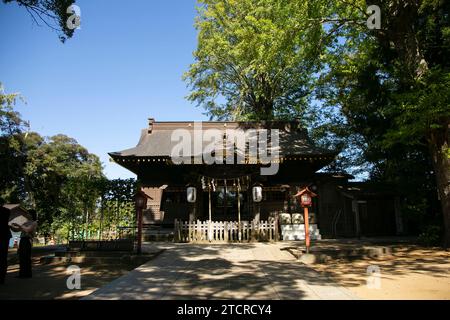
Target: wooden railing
(226, 231)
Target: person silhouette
(5, 236)
(26, 242)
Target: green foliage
(61, 180)
(117, 207)
(392, 88)
(420, 111)
(391, 92)
(257, 59)
(96, 209)
(51, 13)
(431, 236)
(12, 156)
(379, 96)
(61, 175)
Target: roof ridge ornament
(151, 122)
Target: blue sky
(123, 66)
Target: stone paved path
(239, 271)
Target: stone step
(320, 255)
(297, 236)
(297, 232)
(78, 253)
(127, 258)
(158, 237)
(80, 259)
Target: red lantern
(305, 200)
(305, 197)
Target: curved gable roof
(156, 140)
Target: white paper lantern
(191, 194)
(257, 194)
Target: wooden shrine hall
(195, 200)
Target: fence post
(225, 232)
(247, 231)
(189, 231)
(197, 231)
(201, 231)
(275, 224)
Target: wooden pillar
(239, 211)
(139, 235)
(398, 216)
(355, 209)
(209, 211)
(257, 213)
(192, 217)
(176, 237)
(256, 219)
(277, 218)
(306, 218)
(192, 212)
(286, 200)
(225, 199)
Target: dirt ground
(410, 272)
(49, 280)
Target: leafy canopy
(257, 59)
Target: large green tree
(386, 89)
(392, 86)
(257, 59)
(61, 180)
(12, 148)
(60, 173)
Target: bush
(431, 236)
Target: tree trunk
(86, 236)
(101, 219)
(439, 147)
(404, 36)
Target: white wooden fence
(226, 231)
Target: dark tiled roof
(11, 206)
(156, 140)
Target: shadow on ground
(231, 271)
(49, 280)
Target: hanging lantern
(191, 194)
(257, 193)
(140, 200)
(305, 200)
(305, 197)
